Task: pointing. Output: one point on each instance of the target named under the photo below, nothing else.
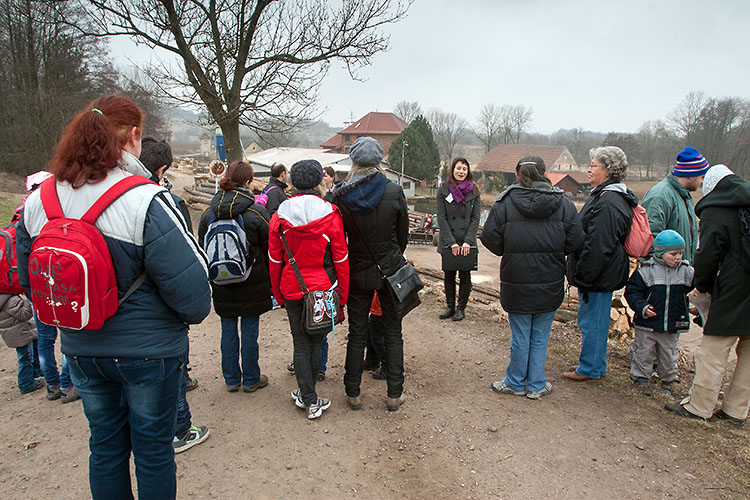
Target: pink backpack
(71, 275)
(639, 239)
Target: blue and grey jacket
(144, 232)
(665, 288)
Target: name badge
(449, 198)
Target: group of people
(132, 374)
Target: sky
(601, 65)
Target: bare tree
(448, 129)
(252, 62)
(489, 125)
(407, 111)
(520, 117)
(684, 119)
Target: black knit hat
(306, 174)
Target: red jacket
(315, 233)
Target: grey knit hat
(366, 151)
(306, 174)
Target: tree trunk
(231, 131)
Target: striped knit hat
(690, 163)
(667, 241)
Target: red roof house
(383, 127)
(504, 158)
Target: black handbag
(403, 285)
(321, 309)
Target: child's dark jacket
(665, 289)
(15, 315)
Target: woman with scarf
(458, 207)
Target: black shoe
(643, 388)
(459, 314)
(720, 415)
(290, 368)
(190, 383)
(682, 411)
(448, 313)
(379, 374)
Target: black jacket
(601, 264)
(457, 225)
(663, 288)
(722, 262)
(275, 196)
(379, 208)
(533, 229)
(251, 297)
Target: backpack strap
(50, 201)
(105, 200)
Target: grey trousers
(642, 355)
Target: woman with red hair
(127, 371)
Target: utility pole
(403, 150)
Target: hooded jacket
(251, 297)
(374, 208)
(670, 206)
(315, 234)
(144, 232)
(533, 229)
(664, 288)
(601, 264)
(15, 316)
(722, 262)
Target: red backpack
(639, 239)
(71, 275)
(8, 268)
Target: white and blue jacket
(144, 232)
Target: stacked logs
(199, 196)
(620, 315)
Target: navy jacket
(658, 285)
(144, 232)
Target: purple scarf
(460, 191)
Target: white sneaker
(538, 394)
(316, 410)
(297, 397)
(502, 388)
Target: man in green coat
(669, 203)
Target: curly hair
(614, 160)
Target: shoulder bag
(321, 309)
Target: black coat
(379, 208)
(533, 229)
(722, 262)
(601, 264)
(275, 196)
(457, 225)
(251, 297)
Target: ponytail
(238, 174)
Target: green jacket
(670, 206)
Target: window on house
(407, 185)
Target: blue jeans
(130, 405)
(47, 337)
(528, 351)
(183, 408)
(593, 321)
(25, 357)
(230, 351)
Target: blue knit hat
(668, 241)
(690, 163)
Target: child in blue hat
(657, 292)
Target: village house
(383, 127)
(502, 159)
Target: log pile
(620, 315)
(199, 196)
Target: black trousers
(464, 290)
(358, 308)
(306, 352)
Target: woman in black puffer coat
(247, 299)
(533, 227)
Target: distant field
(8, 204)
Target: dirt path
(453, 439)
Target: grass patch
(8, 204)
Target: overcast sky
(598, 64)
